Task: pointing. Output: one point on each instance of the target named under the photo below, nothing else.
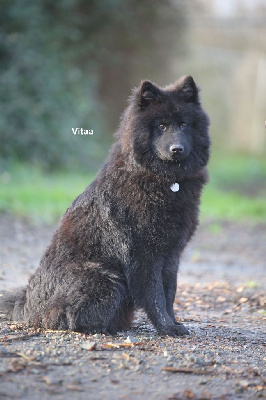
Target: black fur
(119, 244)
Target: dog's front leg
(146, 287)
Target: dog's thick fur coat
(119, 244)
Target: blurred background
(73, 63)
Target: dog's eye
(162, 127)
(183, 126)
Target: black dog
(118, 245)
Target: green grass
(237, 188)
(220, 204)
(29, 192)
(236, 191)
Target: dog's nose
(177, 148)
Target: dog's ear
(148, 93)
(188, 89)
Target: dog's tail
(12, 303)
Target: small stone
(35, 371)
(205, 395)
(76, 382)
(51, 381)
(165, 354)
(90, 346)
(3, 351)
(169, 364)
(170, 358)
(218, 360)
(243, 384)
(97, 335)
(199, 361)
(131, 339)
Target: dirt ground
(220, 298)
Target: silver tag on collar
(175, 187)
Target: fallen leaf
(75, 387)
(205, 395)
(16, 365)
(90, 346)
(117, 345)
(260, 388)
(189, 394)
(187, 370)
(27, 358)
(243, 300)
(97, 358)
(121, 345)
(115, 381)
(126, 356)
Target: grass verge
(236, 191)
(28, 192)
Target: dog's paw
(174, 331)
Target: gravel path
(220, 299)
